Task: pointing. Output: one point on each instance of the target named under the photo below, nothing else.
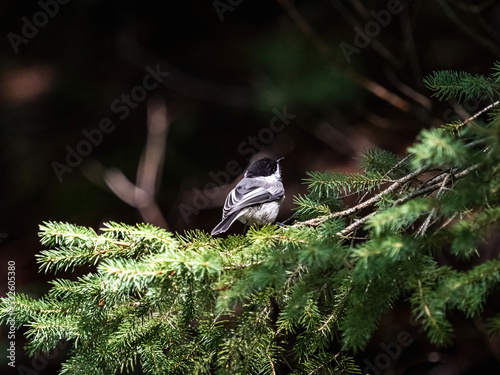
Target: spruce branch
(437, 185)
(460, 124)
(278, 299)
(324, 183)
(75, 246)
(434, 320)
(423, 228)
(450, 84)
(336, 314)
(397, 184)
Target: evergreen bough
(297, 299)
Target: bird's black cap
(262, 168)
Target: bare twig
(439, 183)
(318, 220)
(408, 90)
(398, 164)
(447, 222)
(433, 187)
(150, 167)
(426, 307)
(270, 359)
(472, 118)
(240, 266)
(355, 225)
(338, 309)
(142, 194)
(423, 228)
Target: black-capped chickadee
(256, 199)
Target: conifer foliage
(296, 299)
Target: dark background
(226, 76)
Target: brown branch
(439, 183)
(337, 311)
(423, 228)
(355, 225)
(318, 220)
(142, 194)
(477, 114)
(240, 266)
(426, 307)
(416, 193)
(151, 164)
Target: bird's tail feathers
(225, 223)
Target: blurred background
(149, 111)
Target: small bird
(257, 198)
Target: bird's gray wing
(250, 192)
(247, 193)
